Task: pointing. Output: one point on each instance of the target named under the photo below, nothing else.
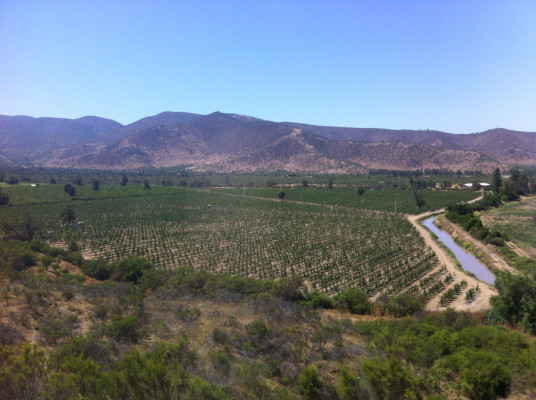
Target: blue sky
(458, 66)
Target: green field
(370, 200)
(517, 220)
(330, 247)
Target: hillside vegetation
(195, 335)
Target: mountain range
(221, 142)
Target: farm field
(332, 248)
(250, 233)
(370, 200)
(516, 219)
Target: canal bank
(468, 261)
(482, 302)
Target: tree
(281, 195)
(29, 227)
(78, 180)
(271, 183)
(146, 184)
(305, 183)
(46, 260)
(516, 302)
(24, 229)
(330, 183)
(124, 181)
(13, 180)
(361, 190)
(520, 182)
(419, 198)
(95, 184)
(67, 214)
(69, 189)
(496, 181)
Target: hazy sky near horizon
(459, 66)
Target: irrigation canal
(468, 261)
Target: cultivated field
(517, 220)
(370, 200)
(331, 247)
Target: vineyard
(369, 200)
(331, 247)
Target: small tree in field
(124, 181)
(69, 189)
(281, 195)
(419, 198)
(67, 214)
(361, 190)
(95, 185)
(496, 181)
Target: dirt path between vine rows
(482, 301)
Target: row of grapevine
(332, 248)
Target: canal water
(468, 261)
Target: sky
(458, 66)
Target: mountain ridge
(226, 142)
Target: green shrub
(125, 329)
(74, 258)
(98, 269)
(481, 374)
(310, 383)
(392, 380)
(18, 254)
(219, 336)
(354, 300)
(404, 305)
(320, 300)
(153, 279)
(131, 269)
(39, 246)
(220, 361)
